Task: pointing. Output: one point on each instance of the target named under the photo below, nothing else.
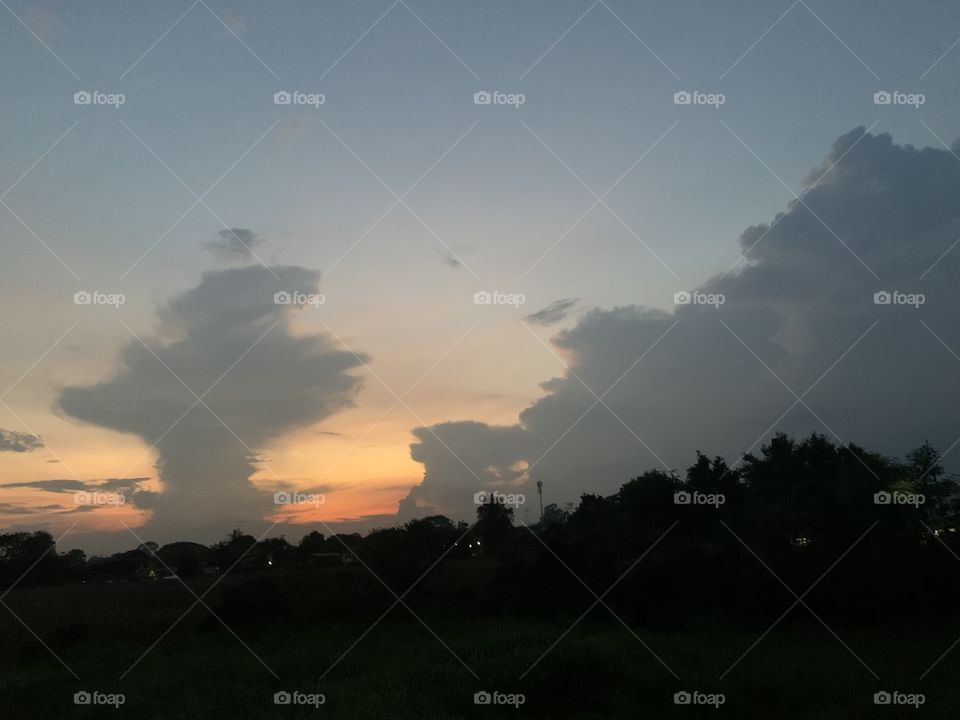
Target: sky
(387, 194)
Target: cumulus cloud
(233, 347)
(234, 245)
(798, 319)
(19, 442)
(552, 313)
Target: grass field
(401, 670)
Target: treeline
(858, 536)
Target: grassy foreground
(401, 670)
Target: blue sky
(499, 189)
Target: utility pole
(540, 493)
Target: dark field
(399, 670)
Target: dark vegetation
(701, 578)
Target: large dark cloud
(228, 341)
(799, 313)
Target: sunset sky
(398, 198)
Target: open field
(400, 670)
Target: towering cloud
(228, 342)
(847, 300)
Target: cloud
(19, 442)
(451, 257)
(798, 319)
(552, 313)
(231, 344)
(234, 245)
